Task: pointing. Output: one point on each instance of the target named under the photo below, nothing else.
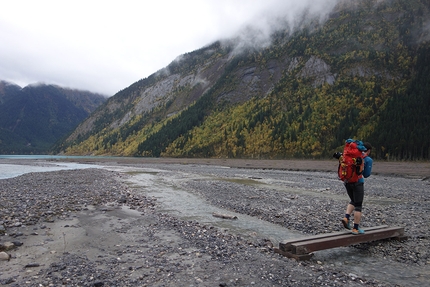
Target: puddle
(188, 206)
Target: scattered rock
(31, 265)
(224, 216)
(4, 256)
(7, 246)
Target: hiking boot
(357, 231)
(346, 223)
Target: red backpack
(351, 163)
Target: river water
(154, 182)
(16, 165)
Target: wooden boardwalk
(302, 248)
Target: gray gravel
(167, 251)
(392, 201)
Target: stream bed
(189, 205)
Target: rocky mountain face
(300, 96)
(33, 118)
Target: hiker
(355, 192)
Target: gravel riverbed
(93, 227)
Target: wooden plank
(298, 257)
(288, 245)
(309, 246)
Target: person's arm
(368, 162)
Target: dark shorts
(356, 194)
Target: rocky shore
(92, 227)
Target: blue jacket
(368, 162)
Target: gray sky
(105, 46)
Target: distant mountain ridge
(362, 74)
(33, 118)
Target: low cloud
(288, 16)
(105, 47)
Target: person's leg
(358, 196)
(358, 202)
(357, 217)
(350, 207)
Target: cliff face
(171, 93)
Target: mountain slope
(7, 91)
(362, 73)
(32, 119)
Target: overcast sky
(105, 46)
